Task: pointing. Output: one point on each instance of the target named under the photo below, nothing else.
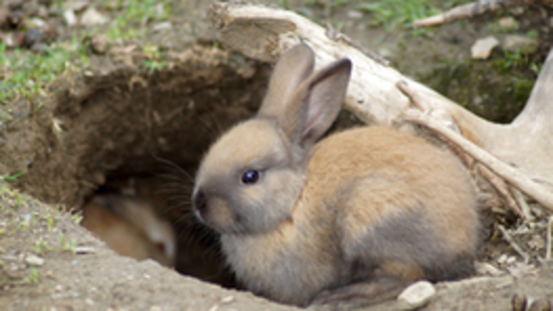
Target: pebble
(540, 305)
(37, 22)
(227, 299)
(416, 295)
(482, 48)
(9, 40)
(31, 8)
(99, 44)
(91, 17)
(355, 14)
(76, 6)
(32, 36)
(81, 250)
(70, 17)
(508, 23)
(514, 43)
(162, 26)
(34, 260)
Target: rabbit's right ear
(292, 68)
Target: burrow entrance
(129, 129)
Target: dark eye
(250, 177)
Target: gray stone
(515, 43)
(416, 295)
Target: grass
(66, 244)
(34, 276)
(25, 74)
(133, 15)
(394, 14)
(13, 177)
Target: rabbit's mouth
(215, 213)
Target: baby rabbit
(348, 221)
(130, 226)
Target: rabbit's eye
(250, 177)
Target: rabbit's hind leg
(383, 284)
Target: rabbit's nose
(200, 201)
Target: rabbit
(130, 226)
(346, 221)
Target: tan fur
(351, 219)
(119, 230)
(142, 215)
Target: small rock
(89, 301)
(75, 6)
(517, 10)
(482, 48)
(81, 250)
(540, 305)
(91, 17)
(34, 260)
(42, 12)
(99, 44)
(355, 14)
(227, 299)
(511, 260)
(416, 295)
(70, 17)
(508, 23)
(514, 43)
(37, 22)
(502, 259)
(31, 37)
(9, 40)
(31, 8)
(162, 26)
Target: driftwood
(521, 152)
(473, 9)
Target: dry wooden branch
(549, 240)
(513, 244)
(503, 189)
(509, 173)
(473, 9)
(525, 209)
(521, 149)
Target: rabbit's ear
(316, 104)
(292, 68)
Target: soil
(117, 125)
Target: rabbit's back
(397, 197)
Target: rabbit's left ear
(316, 104)
(291, 69)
